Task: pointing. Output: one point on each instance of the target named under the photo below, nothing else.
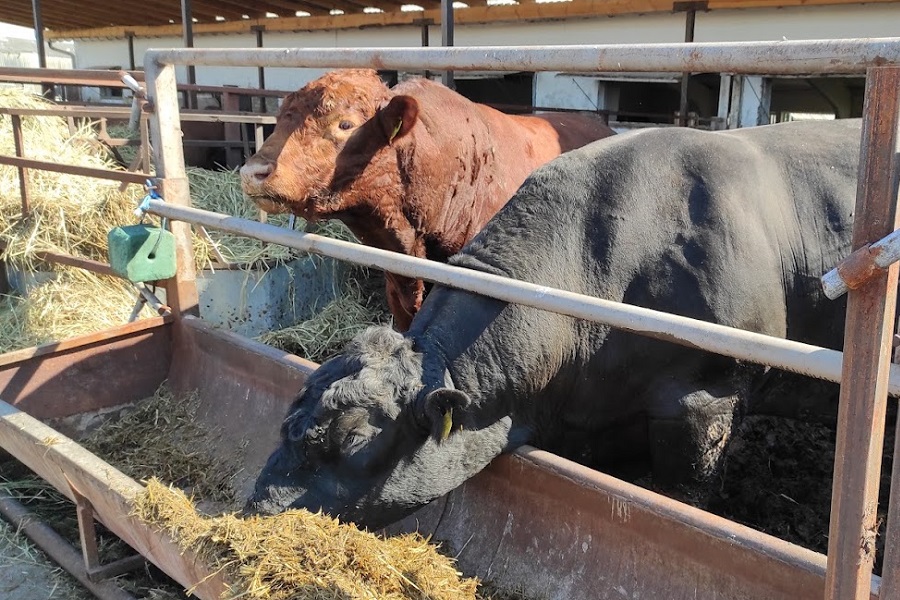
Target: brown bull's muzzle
(254, 174)
(270, 205)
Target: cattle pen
(598, 537)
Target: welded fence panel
(765, 58)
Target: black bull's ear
(439, 407)
(398, 117)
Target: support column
(187, 31)
(129, 35)
(46, 88)
(724, 108)
(690, 18)
(259, 29)
(447, 36)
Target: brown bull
(416, 169)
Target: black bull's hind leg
(688, 441)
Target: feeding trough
(531, 521)
(596, 534)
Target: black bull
(729, 227)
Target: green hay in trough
(359, 304)
(161, 437)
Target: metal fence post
(867, 338)
(24, 186)
(168, 155)
(890, 572)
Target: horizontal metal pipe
(57, 548)
(775, 58)
(123, 176)
(151, 299)
(745, 345)
(863, 264)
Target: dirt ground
(27, 574)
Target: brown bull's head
(326, 137)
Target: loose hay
(299, 555)
(161, 437)
(71, 303)
(359, 304)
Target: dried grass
(161, 437)
(70, 214)
(299, 555)
(72, 303)
(359, 303)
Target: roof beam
(125, 13)
(280, 6)
(211, 10)
(23, 17)
(19, 15)
(57, 12)
(202, 10)
(253, 10)
(475, 14)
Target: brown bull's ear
(442, 407)
(398, 117)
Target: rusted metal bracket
(87, 532)
(863, 264)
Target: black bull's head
(369, 439)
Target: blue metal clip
(144, 204)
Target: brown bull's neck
(380, 231)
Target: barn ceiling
(65, 14)
(102, 18)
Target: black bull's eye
(345, 125)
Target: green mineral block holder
(142, 253)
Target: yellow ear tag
(396, 130)
(447, 424)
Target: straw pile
(160, 436)
(359, 303)
(72, 303)
(298, 555)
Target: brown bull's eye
(345, 125)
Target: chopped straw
(358, 304)
(299, 555)
(160, 436)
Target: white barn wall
(716, 26)
(820, 22)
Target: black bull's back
(729, 227)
